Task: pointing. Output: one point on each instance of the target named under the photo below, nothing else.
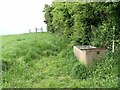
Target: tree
(85, 23)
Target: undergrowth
(44, 60)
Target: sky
(18, 16)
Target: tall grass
(0, 63)
(44, 60)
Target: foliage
(86, 23)
(46, 60)
(43, 60)
(48, 17)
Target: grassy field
(44, 60)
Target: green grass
(44, 60)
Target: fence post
(29, 31)
(41, 29)
(113, 43)
(36, 30)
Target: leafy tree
(85, 23)
(48, 17)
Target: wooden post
(29, 31)
(36, 30)
(113, 46)
(113, 43)
(41, 29)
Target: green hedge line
(85, 23)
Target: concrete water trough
(88, 54)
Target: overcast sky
(18, 16)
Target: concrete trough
(88, 54)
